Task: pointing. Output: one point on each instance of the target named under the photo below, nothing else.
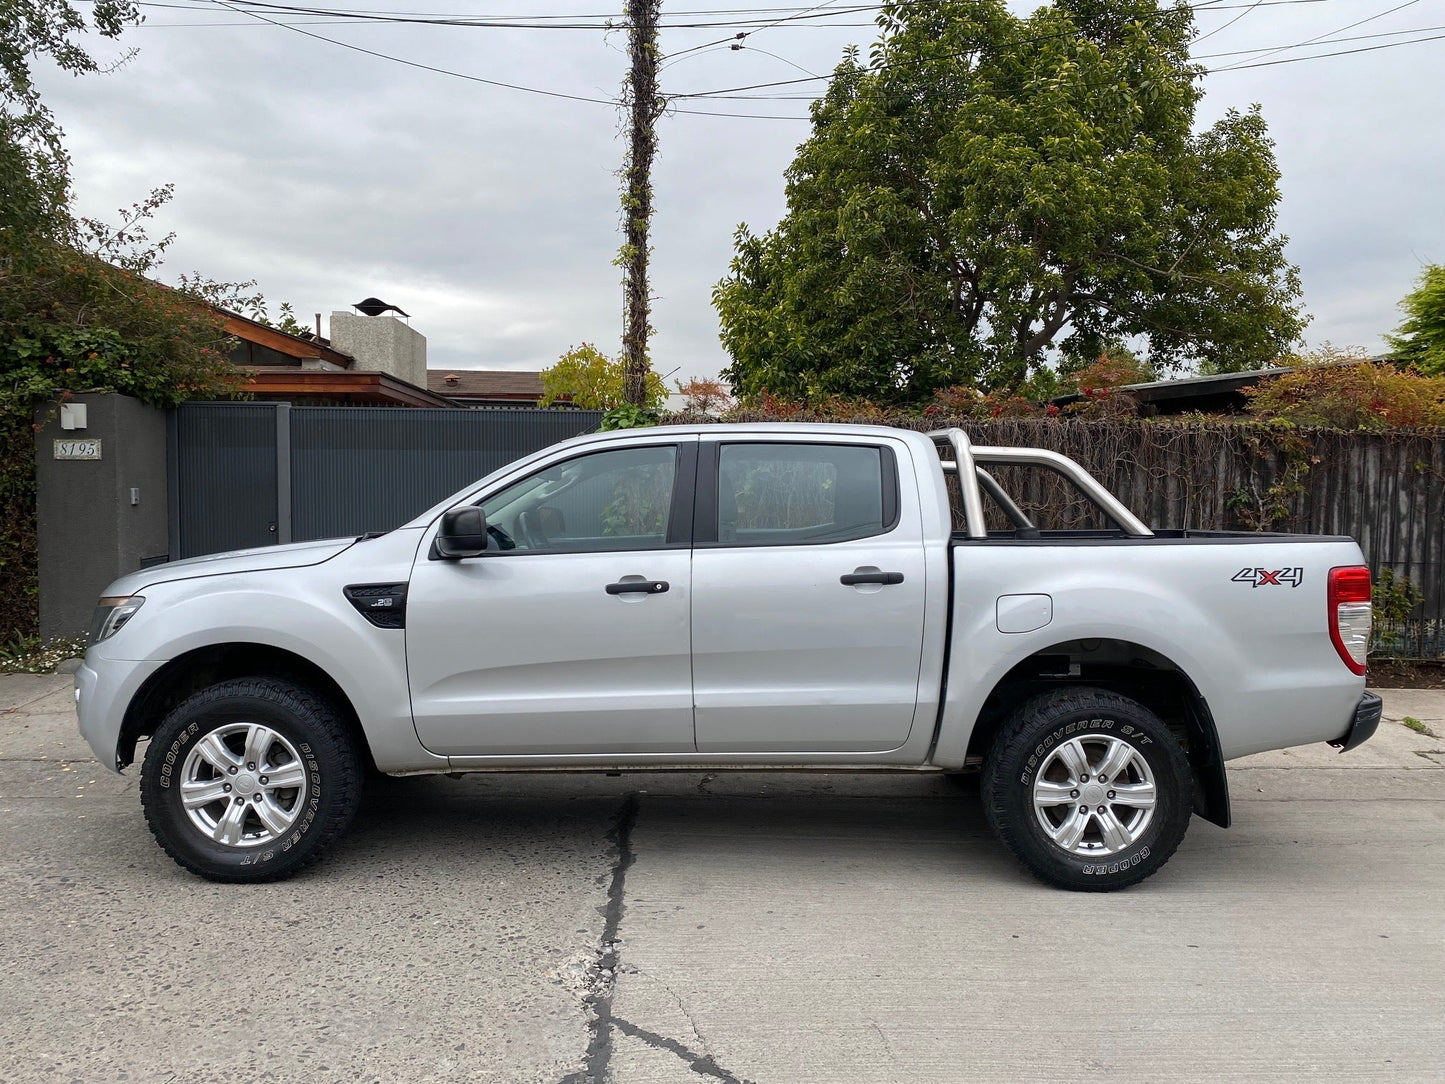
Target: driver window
(616, 500)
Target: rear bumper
(1366, 720)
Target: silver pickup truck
(738, 597)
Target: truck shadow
(886, 824)
(881, 821)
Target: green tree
(1420, 340)
(34, 168)
(76, 310)
(588, 378)
(987, 188)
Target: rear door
(571, 634)
(808, 591)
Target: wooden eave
(366, 387)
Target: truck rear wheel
(249, 780)
(1089, 789)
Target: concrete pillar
(101, 516)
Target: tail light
(1349, 614)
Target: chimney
(381, 344)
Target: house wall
(98, 519)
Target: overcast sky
(490, 215)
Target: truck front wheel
(1089, 789)
(250, 779)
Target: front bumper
(103, 692)
(1363, 725)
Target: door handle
(854, 578)
(637, 587)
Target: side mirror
(463, 533)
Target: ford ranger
(743, 597)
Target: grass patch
(1417, 726)
(27, 655)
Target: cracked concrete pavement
(772, 929)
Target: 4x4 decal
(1265, 577)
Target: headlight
(111, 614)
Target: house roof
(294, 346)
(1204, 393)
(511, 385)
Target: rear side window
(803, 494)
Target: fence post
(283, 473)
(173, 484)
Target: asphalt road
(777, 929)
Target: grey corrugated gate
(255, 474)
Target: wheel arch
(1129, 669)
(200, 667)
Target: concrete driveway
(777, 929)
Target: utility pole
(646, 104)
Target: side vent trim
(383, 604)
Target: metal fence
(256, 474)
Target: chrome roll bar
(967, 472)
(968, 457)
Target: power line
(730, 91)
(244, 7)
(418, 64)
(1230, 68)
(1340, 30)
(764, 18)
(734, 93)
(705, 45)
(1305, 44)
(726, 92)
(604, 21)
(749, 33)
(775, 56)
(799, 15)
(1323, 56)
(1226, 25)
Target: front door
(571, 635)
(807, 625)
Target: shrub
(1394, 598)
(1355, 394)
(703, 396)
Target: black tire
(1035, 756)
(308, 743)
